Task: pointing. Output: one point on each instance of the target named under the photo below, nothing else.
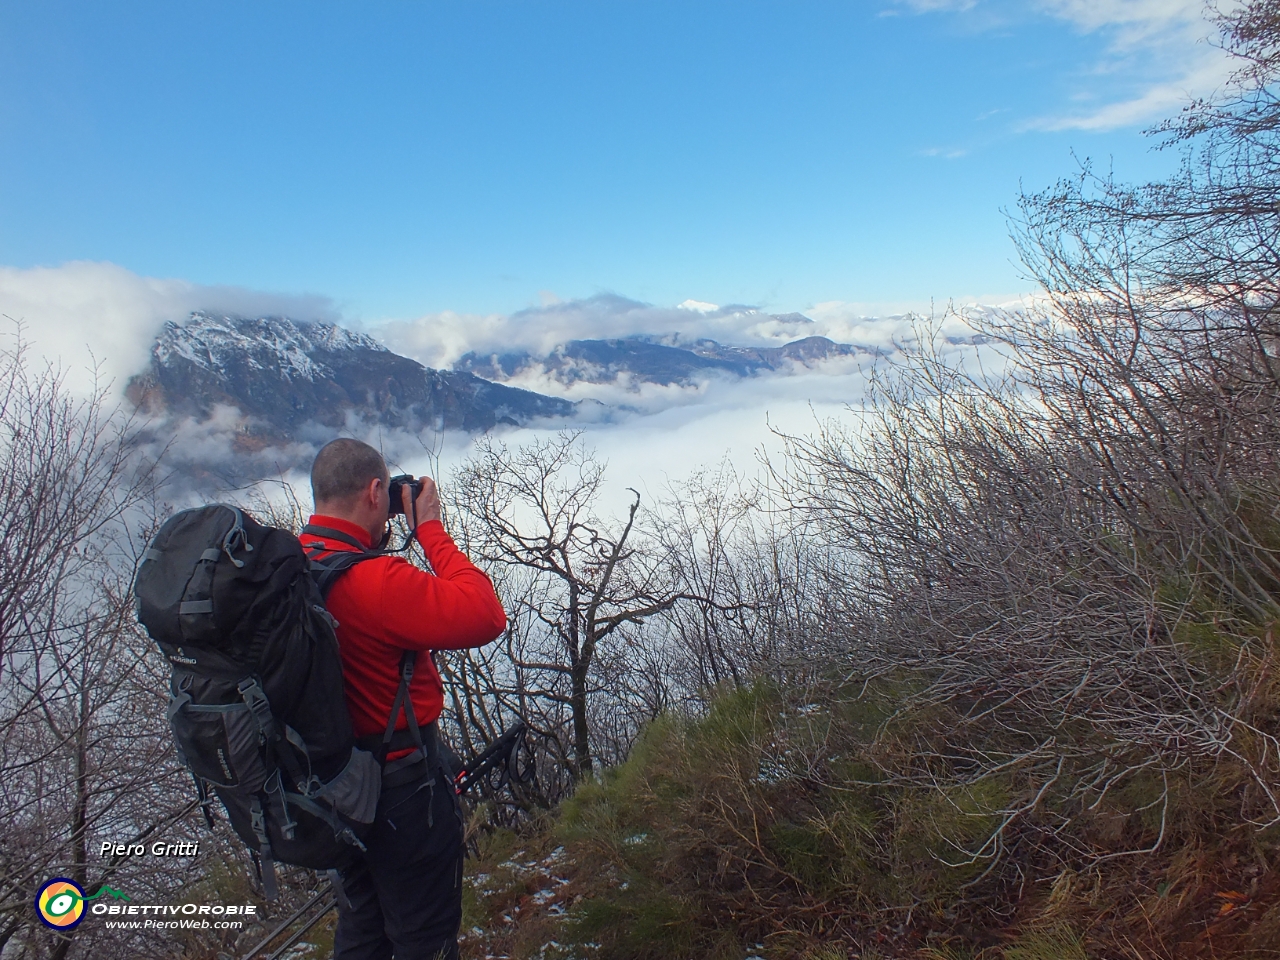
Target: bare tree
(575, 584)
(753, 579)
(83, 754)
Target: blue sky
(404, 158)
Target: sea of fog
(96, 322)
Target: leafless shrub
(83, 754)
(756, 583)
(577, 588)
(1071, 567)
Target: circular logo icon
(60, 903)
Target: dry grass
(752, 827)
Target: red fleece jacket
(387, 605)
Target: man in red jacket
(405, 895)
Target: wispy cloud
(946, 153)
(1154, 55)
(1158, 52)
(1153, 103)
(1140, 19)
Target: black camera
(395, 485)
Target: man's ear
(372, 492)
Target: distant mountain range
(655, 360)
(285, 376)
(302, 381)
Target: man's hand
(427, 504)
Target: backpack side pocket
(219, 742)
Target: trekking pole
(303, 929)
(324, 891)
(499, 755)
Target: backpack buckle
(256, 700)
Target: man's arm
(456, 608)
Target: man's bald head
(343, 469)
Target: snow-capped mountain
(271, 344)
(283, 375)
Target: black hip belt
(419, 763)
(400, 740)
(413, 770)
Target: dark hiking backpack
(257, 707)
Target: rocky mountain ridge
(289, 378)
(660, 360)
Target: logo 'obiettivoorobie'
(60, 902)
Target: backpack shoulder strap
(328, 565)
(326, 571)
(329, 533)
(404, 704)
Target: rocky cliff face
(284, 375)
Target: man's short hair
(343, 468)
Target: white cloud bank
(84, 313)
(440, 339)
(676, 428)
